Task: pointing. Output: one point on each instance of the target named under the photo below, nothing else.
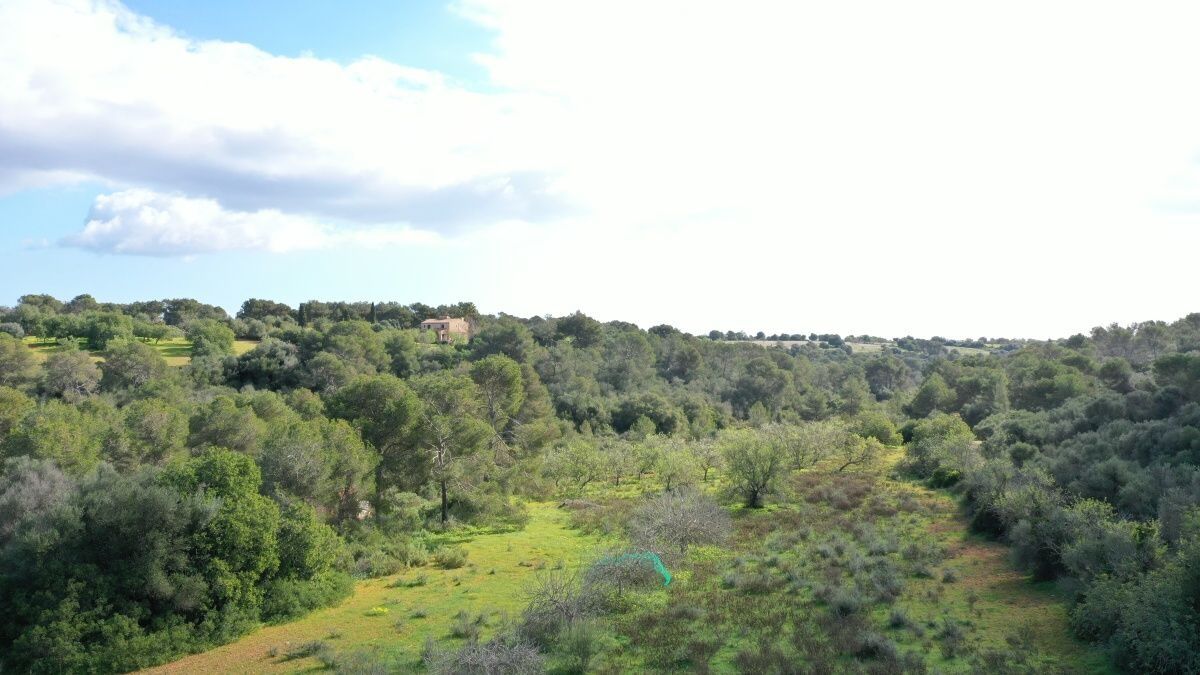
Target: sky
(956, 168)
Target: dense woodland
(149, 510)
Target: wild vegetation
(801, 496)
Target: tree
(100, 328)
(264, 309)
(325, 373)
(210, 338)
(885, 375)
(156, 431)
(858, 452)
(676, 467)
(753, 465)
(387, 412)
(1180, 370)
(70, 375)
(358, 346)
(61, 432)
(762, 381)
(505, 336)
(401, 347)
(803, 445)
(80, 304)
(501, 390)
(934, 394)
(874, 424)
(129, 364)
(666, 417)
(578, 462)
(18, 367)
(225, 424)
(706, 455)
(272, 364)
(674, 521)
(583, 330)
(14, 406)
(451, 429)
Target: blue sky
(782, 166)
(421, 33)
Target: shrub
(753, 583)
(578, 645)
(315, 648)
(375, 564)
(450, 557)
(898, 619)
(618, 571)
(676, 520)
(496, 657)
(875, 646)
(952, 636)
(285, 599)
(557, 601)
(466, 627)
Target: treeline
(259, 484)
(48, 318)
(1083, 454)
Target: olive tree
(676, 520)
(754, 464)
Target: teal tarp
(651, 558)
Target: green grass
(176, 351)
(420, 603)
(242, 346)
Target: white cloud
(88, 88)
(143, 222)
(815, 165)
(927, 166)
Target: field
(840, 570)
(391, 617)
(176, 351)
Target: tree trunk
(445, 504)
(378, 485)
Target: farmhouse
(448, 329)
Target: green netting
(649, 557)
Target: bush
(578, 645)
(500, 656)
(674, 521)
(317, 648)
(466, 627)
(450, 557)
(753, 583)
(286, 599)
(875, 646)
(898, 619)
(377, 564)
(557, 601)
(841, 600)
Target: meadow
(175, 351)
(844, 570)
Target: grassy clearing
(175, 351)
(846, 572)
(850, 571)
(391, 617)
(242, 346)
